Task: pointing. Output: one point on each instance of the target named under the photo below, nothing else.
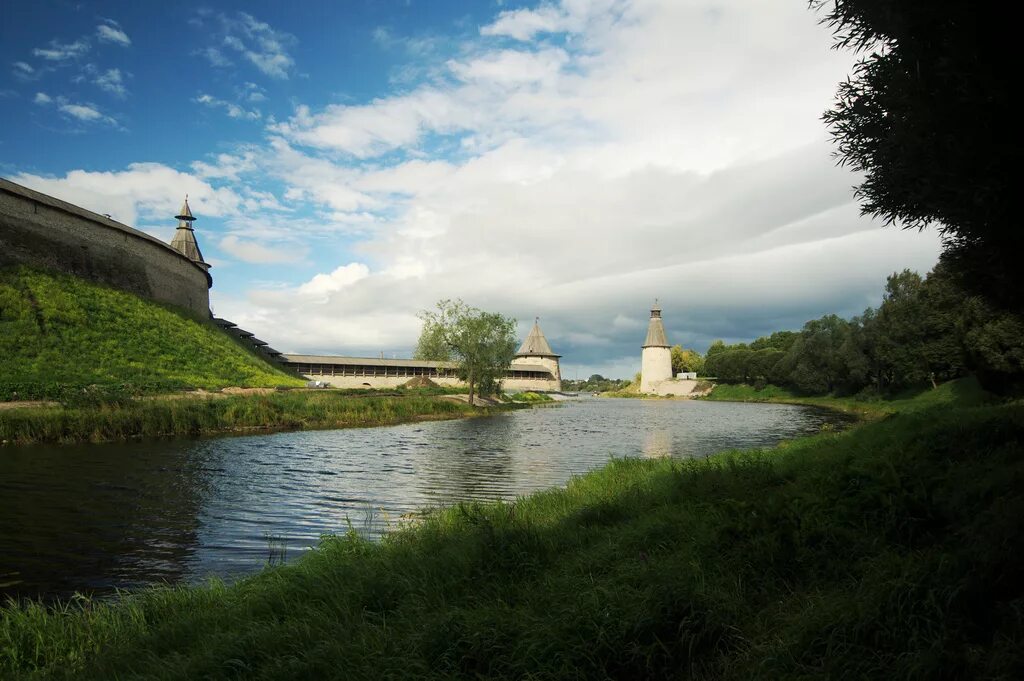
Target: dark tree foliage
(925, 331)
(926, 116)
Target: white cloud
(251, 251)
(259, 43)
(147, 191)
(214, 56)
(112, 81)
(341, 278)
(233, 110)
(512, 67)
(251, 92)
(82, 112)
(111, 32)
(59, 52)
(23, 71)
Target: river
(94, 518)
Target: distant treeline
(595, 384)
(927, 330)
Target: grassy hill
(59, 333)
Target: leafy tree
(686, 360)
(814, 363)
(780, 340)
(482, 343)
(926, 117)
(715, 347)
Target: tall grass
(196, 416)
(60, 334)
(892, 551)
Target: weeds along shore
(220, 414)
(893, 550)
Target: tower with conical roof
(536, 351)
(656, 356)
(184, 240)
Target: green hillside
(59, 333)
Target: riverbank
(965, 392)
(214, 414)
(889, 551)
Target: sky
(350, 163)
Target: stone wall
(39, 230)
(676, 387)
(509, 385)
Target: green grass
(962, 392)
(891, 551)
(530, 397)
(59, 334)
(166, 416)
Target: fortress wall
(377, 381)
(39, 230)
(550, 363)
(508, 385)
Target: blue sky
(351, 163)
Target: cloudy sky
(351, 163)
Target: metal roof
(535, 344)
(656, 330)
(185, 213)
(377, 362)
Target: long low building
(535, 367)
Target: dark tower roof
(185, 212)
(536, 345)
(656, 330)
(184, 240)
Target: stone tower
(535, 350)
(656, 357)
(184, 240)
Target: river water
(94, 518)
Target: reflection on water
(658, 443)
(99, 517)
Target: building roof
(656, 330)
(377, 362)
(535, 345)
(185, 213)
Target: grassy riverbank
(965, 392)
(60, 334)
(891, 551)
(181, 415)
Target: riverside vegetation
(161, 417)
(893, 550)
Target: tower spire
(184, 240)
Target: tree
(716, 347)
(482, 343)
(685, 360)
(926, 117)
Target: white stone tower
(535, 350)
(656, 357)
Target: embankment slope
(59, 332)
